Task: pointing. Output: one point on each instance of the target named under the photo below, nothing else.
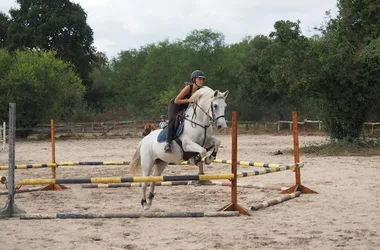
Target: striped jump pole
(23, 190)
(182, 183)
(128, 215)
(93, 163)
(127, 179)
(139, 184)
(255, 185)
(269, 170)
(275, 201)
(30, 166)
(67, 164)
(120, 163)
(252, 164)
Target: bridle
(212, 118)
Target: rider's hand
(190, 100)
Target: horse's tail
(136, 161)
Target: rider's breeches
(173, 110)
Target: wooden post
(234, 206)
(54, 168)
(52, 129)
(10, 209)
(298, 186)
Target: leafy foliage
(42, 87)
(58, 25)
(332, 76)
(349, 70)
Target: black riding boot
(168, 146)
(173, 109)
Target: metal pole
(10, 209)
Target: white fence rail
(291, 124)
(372, 124)
(135, 127)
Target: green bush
(42, 87)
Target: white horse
(193, 144)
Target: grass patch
(358, 147)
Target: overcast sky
(125, 24)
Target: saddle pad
(164, 133)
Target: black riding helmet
(195, 74)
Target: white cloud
(125, 24)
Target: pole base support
(54, 187)
(301, 188)
(11, 210)
(235, 207)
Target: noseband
(214, 119)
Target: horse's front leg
(197, 160)
(201, 172)
(215, 142)
(190, 146)
(200, 166)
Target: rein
(212, 118)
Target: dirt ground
(344, 215)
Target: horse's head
(218, 108)
(213, 104)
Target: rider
(181, 102)
(163, 122)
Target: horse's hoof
(146, 207)
(208, 161)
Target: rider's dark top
(184, 105)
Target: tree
(100, 60)
(42, 86)
(348, 76)
(4, 23)
(358, 21)
(278, 68)
(58, 25)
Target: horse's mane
(202, 91)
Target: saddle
(178, 128)
(179, 125)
